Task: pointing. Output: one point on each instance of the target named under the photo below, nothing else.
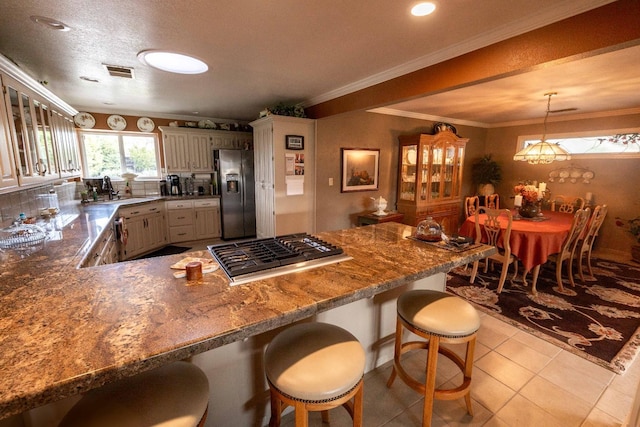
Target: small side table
(370, 218)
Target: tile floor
(518, 380)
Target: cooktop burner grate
(241, 258)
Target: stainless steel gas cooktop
(252, 260)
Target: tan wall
(615, 180)
(336, 210)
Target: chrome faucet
(106, 186)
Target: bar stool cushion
(438, 313)
(174, 395)
(314, 362)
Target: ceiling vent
(119, 71)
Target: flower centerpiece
(530, 197)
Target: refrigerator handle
(241, 182)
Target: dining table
(532, 240)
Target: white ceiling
(264, 52)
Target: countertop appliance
(175, 189)
(251, 260)
(234, 175)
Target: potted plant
(633, 227)
(486, 174)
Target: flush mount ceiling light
(423, 9)
(50, 23)
(543, 152)
(172, 62)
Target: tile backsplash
(29, 201)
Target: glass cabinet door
(408, 172)
(22, 145)
(46, 164)
(458, 162)
(425, 160)
(28, 122)
(437, 173)
(448, 170)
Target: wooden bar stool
(315, 367)
(439, 318)
(175, 395)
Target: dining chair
(493, 201)
(471, 205)
(567, 251)
(567, 204)
(491, 228)
(585, 244)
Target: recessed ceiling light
(50, 23)
(423, 9)
(172, 62)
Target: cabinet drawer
(207, 203)
(179, 204)
(132, 212)
(181, 233)
(180, 217)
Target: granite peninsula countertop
(65, 330)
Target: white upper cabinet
(191, 150)
(8, 172)
(37, 144)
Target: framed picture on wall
(360, 169)
(295, 142)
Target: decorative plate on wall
(145, 124)
(84, 120)
(116, 122)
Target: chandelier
(543, 152)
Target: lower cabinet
(104, 251)
(145, 227)
(446, 214)
(193, 219)
(207, 218)
(180, 221)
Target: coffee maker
(174, 185)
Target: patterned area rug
(598, 320)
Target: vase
(529, 210)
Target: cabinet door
(408, 172)
(201, 153)
(155, 231)
(135, 236)
(224, 141)
(22, 132)
(264, 182)
(207, 223)
(8, 173)
(176, 152)
(66, 143)
(47, 162)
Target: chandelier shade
(543, 152)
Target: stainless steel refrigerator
(235, 183)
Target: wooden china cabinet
(430, 178)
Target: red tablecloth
(531, 241)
